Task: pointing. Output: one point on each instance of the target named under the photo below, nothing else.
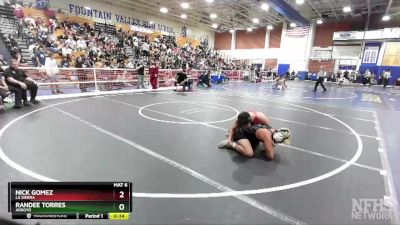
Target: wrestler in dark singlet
(245, 136)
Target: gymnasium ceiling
(239, 14)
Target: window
(370, 54)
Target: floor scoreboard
(70, 200)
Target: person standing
(154, 75)
(140, 70)
(18, 83)
(52, 72)
(79, 63)
(367, 78)
(40, 57)
(321, 78)
(3, 90)
(386, 76)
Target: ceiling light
(386, 18)
(270, 27)
(163, 10)
(214, 25)
(299, 2)
(213, 16)
(249, 29)
(265, 6)
(292, 25)
(231, 30)
(183, 16)
(256, 20)
(185, 5)
(319, 21)
(209, 1)
(347, 9)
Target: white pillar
(267, 33)
(283, 35)
(310, 44)
(266, 45)
(381, 54)
(233, 41)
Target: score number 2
(121, 195)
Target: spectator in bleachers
(131, 64)
(52, 25)
(81, 43)
(11, 44)
(109, 49)
(3, 62)
(30, 21)
(3, 90)
(32, 53)
(13, 47)
(40, 57)
(71, 42)
(145, 49)
(52, 72)
(53, 47)
(66, 50)
(89, 62)
(65, 62)
(18, 83)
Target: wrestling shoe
(224, 144)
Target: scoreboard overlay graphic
(70, 200)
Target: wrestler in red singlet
(255, 118)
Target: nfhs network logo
(371, 209)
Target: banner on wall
(346, 52)
(387, 33)
(79, 10)
(373, 34)
(371, 54)
(348, 35)
(146, 30)
(321, 53)
(347, 67)
(392, 54)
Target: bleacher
(35, 14)
(107, 28)
(75, 19)
(6, 12)
(181, 41)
